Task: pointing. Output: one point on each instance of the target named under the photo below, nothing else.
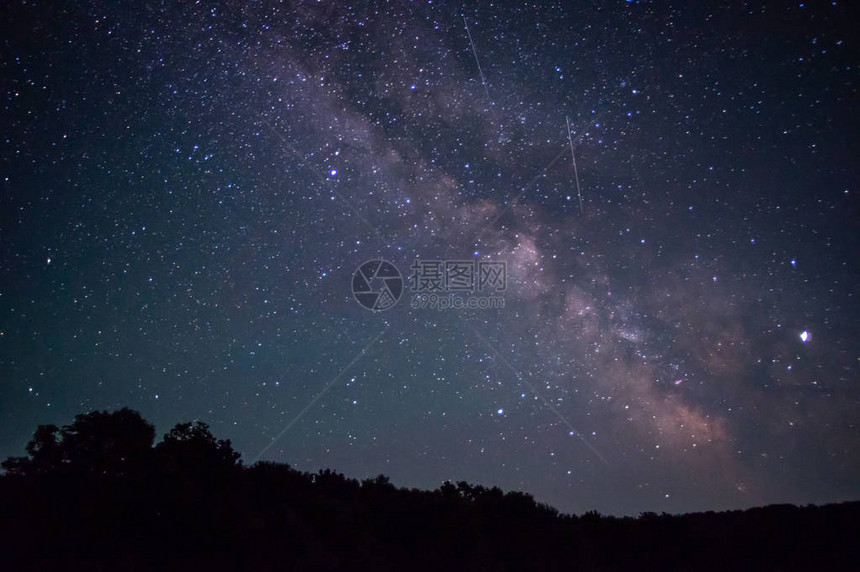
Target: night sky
(187, 190)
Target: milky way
(188, 191)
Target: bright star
(804, 336)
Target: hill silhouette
(100, 495)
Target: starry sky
(188, 188)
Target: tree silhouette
(96, 495)
(44, 453)
(99, 442)
(191, 447)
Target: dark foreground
(96, 495)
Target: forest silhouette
(99, 494)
